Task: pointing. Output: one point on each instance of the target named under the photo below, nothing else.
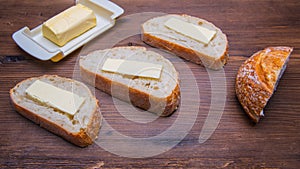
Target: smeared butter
(55, 97)
(57, 57)
(133, 68)
(190, 30)
(69, 24)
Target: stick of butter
(69, 24)
(193, 31)
(132, 68)
(55, 97)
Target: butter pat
(190, 30)
(55, 97)
(69, 24)
(132, 68)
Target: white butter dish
(33, 42)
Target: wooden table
(236, 143)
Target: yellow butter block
(69, 24)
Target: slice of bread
(81, 129)
(160, 96)
(213, 55)
(258, 78)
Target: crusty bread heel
(258, 77)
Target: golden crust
(257, 79)
(83, 138)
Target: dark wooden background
(250, 25)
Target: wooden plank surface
(236, 143)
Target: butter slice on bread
(213, 55)
(81, 129)
(258, 78)
(160, 96)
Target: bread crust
(137, 98)
(257, 79)
(83, 138)
(186, 53)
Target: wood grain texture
(250, 26)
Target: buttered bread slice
(133, 74)
(191, 38)
(61, 105)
